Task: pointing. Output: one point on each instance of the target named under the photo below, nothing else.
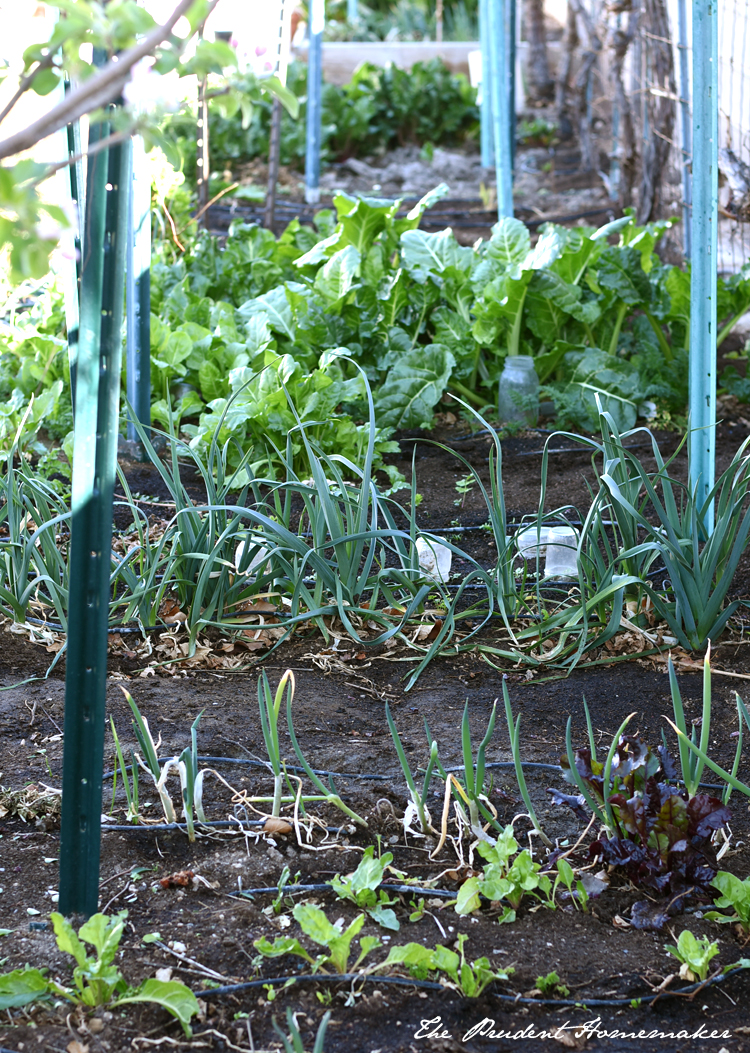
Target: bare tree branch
(26, 82)
(99, 90)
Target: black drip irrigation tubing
(216, 824)
(326, 886)
(649, 998)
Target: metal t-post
(138, 341)
(498, 47)
(704, 243)
(314, 101)
(94, 460)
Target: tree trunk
(620, 41)
(660, 107)
(540, 85)
(563, 101)
(589, 57)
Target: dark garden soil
(341, 726)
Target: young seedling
(316, 926)
(735, 893)
(695, 954)
(551, 985)
(361, 888)
(97, 981)
(502, 880)
(269, 721)
(567, 876)
(293, 1043)
(418, 799)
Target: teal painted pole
(704, 240)
(485, 111)
(314, 101)
(94, 460)
(498, 47)
(138, 339)
(511, 15)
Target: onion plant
(269, 707)
(418, 797)
(514, 732)
(694, 756)
(329, 794)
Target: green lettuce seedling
(735, 894)
(695, 955)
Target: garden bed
(341, 726)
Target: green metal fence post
(498, 48)
(138, 342)
(704, 242)
(94, 459)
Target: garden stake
(95, 445)
(138, 338)
(704, 237)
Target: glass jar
(518, 399)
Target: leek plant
(33, 567)
(185, 766)
(700, 566)
(131, 791)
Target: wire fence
(629, 95)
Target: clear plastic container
(562, 550)
(434, 560)
(531, 541)
(518, 398)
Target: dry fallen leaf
(571, 1039)
(77, 1047)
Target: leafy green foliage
(336, 940)
(503, 880)
(379, 108)
(550, 984)
(361, 888)
(735, 894)
(695, 954)
(97, 981)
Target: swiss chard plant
(97, 981)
